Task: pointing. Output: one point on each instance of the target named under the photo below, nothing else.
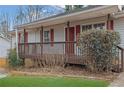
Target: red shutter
(107, 25)
(77, 31)
(19, 37)
(111, 25)
(66, 34)
(52, 36)
(26, 37)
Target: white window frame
(46, 39)
(22, 38)
(92, 23)
(97, 24)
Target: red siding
(52, 36)
(66, 34)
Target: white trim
(48, 35)
(17, 44)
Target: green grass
(48, 81)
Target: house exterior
(4, 47)
(57, 35)
(119, 24)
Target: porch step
(75, 60)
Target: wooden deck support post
(108, 23)
(41, 39)
(67, 44)
(68, 27)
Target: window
(93, 26)
(86, 27)
(99, 26)
(46, 36)
(22, 38)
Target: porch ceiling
(91, 13)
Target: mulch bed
(71, 71)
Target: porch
(62, 54)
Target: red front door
(69, 47)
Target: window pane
(46, 36)
(99, 26)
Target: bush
(99, 48)
(12, 59)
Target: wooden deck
(61, 53)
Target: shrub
(12, 59)
(99, 48)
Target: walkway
(119, 82)
(2, 73)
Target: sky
(10, 9)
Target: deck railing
(69, 50)
(65, 48)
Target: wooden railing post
(122, 60)
(121, 48)
(41, 39)
(67, 44)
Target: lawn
(45, 81)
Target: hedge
(99, 48)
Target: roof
(5, 36)
(67, 15)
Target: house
(57, 35)
(4, 46)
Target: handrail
(48, 42)
(120, 47)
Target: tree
(4, 22)
(20, 17)
(73, 7)
(77, 7)
(38, 11)
(33, 12)
(68, 7)
(29, 13)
